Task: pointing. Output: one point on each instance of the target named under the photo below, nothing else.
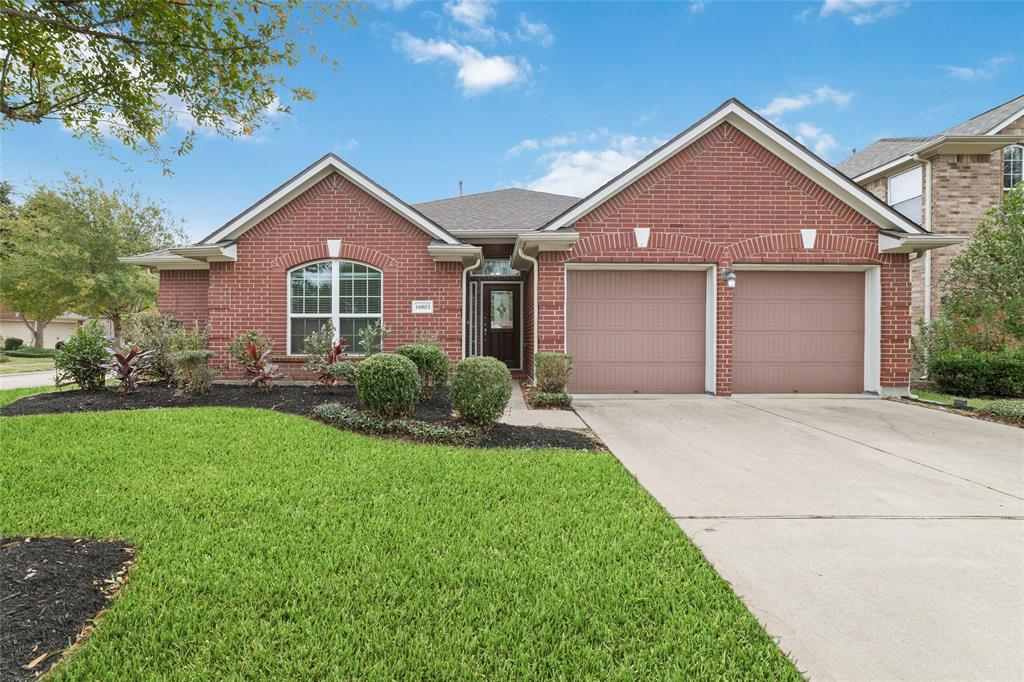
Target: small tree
(324, 353)
(984, 284)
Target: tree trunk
(37, 334)
(115, 325)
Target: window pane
(349, 330)
(1013, 166)
(501, 310)
(311, 289)
(303, 327)
(910, 208)
(905, 186)
(497, 266)
(359, 290)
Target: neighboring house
(58, 329)
(946, 182)
(730, 260)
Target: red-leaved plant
(333, 354)
(127, 365)
(257, 365)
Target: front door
(501, 320)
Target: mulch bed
(51, 589)
(298, 400)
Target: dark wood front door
(501, 320)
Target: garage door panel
(798, 332)
(636, 331)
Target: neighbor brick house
(730, 260)
(946, 182)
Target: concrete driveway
(874, 540)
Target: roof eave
(168, 262)
(889, 242)
(467, 254)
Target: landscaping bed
(300, 400)
(51, 589)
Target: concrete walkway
(27, 379)
(874, 540)
(518, 414)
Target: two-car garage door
(643, 331)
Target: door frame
(710, 307)
(872, 310)
(479, 331)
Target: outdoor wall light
(729, 277)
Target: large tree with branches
(126, 69)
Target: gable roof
(889, 149)
(511, 210)
(325, 166)
(769, 136)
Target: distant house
(946, 182)
(730, 260)
(59, 329)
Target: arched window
(346, 293)
(1013, 166)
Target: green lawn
(25, 365)
(274, 547)
(947, 399)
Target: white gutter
(465, 274)
(928, 254)
(536, 281)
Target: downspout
(928, 253)
(536, 294)
(465, 274)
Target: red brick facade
(184, 294)
(726, 200)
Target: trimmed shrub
(252, 351)
(552, 371)
(26, 352)
(431, 362)
(542, 399)
(480, 389)
(1006, 410)
(388, 384)
(13, 343)
(83, 359)
(192, 371)
(971, 373)
(346, 371)
(4, 357)
(156, 334)
(342, 417)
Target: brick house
(729, 260)
(946, 182)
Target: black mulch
(298, 400)
(50, 590)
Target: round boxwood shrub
(480, 389)
(13, 343)
(431, 362)
(388, 384)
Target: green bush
(431, 362)
(972, 373)
(83, 358)
(1007, 410)
(26, 352)
(156, 333)
(480, 389)
(192, 371)
(552, 371)
(542, 399)
(13, 343)
(388, 384)
(342, 417)
(371, 337)
(4, 357)
(345, 370)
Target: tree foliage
(128, 69)
(984, 284)
(65, 242)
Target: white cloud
(784, 103)
(534, 32)
(579, 172)
(815, 138)
(397, 5)
(475, 17)
(346, 146)
(804, 14)
(972, 73)
(477, 73)
(862, 12)
(698, 6)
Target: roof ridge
(987, 111)
(494, 191)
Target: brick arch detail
(792, 243)
(353, 252)
(664, 242)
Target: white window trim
(1002, 174)
(335, 315)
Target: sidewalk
(27, 379)
(517, 414)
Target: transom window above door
(496, 267)
(345, 293)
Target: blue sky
(561, 96)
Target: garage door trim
(872, 311)
(710, 305)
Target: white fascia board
(964, 144)
(894, 166)
(212, 253)
(773, 140)
(312, 175)
(506, 235)
(165, 262)
(548, 241)
(916, 243)
(1007, 121)
(455, 252)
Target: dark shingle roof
(888, 149)
(503, 209)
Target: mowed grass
(273, 547)
(14, 365)
(947, 399)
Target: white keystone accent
(643, 235)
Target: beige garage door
(798, 332)
(636, 331)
